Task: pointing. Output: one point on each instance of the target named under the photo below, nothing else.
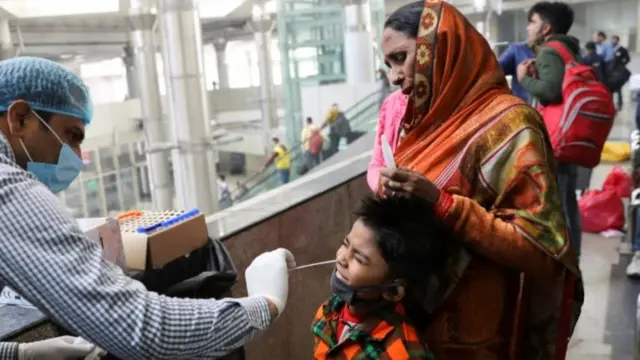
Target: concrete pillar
(491, 28)
(220, 46)
(6, 44)
(142, 57)
(193, 161)
(128, 58)
(358, 42)
(262, 27)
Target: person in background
(282, 159)
(482, 159)
(46, 258)
(241, 189)
(592, 58)
(312, 140)
(389, 121)
(338, 128)
(604, 48)
(618, 72)
(551, 21)
(380, 278)
(384, 85)
(224, 194)
(509, 61)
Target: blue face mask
(56, 177)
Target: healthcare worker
(44, 256)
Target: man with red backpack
(577, 109)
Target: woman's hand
(404, 182)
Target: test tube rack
(158, 237)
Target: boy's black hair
(601, 34)
(590, 45)
(557, 14)
(410, 236)
(406, 19)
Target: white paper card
(387, 153)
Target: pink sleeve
(377, 161)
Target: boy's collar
(377, 324)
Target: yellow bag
(616, 151)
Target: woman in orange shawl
(482, 158)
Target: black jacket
(621, 58)
(597, 61)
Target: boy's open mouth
(340, 276)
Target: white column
(6, 44)
(358, 42)
(130, 67)
(262, 27)
(193, 161)
(142, 18)
(220, 46)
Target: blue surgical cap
(46, 86)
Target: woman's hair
(406, 19)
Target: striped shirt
(46, 258)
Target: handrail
(297, 148)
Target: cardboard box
(106, 233)
(155, 249)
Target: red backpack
(579, 126)
(315, 142)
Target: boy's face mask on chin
(348, 293)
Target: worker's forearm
(46, 258)
(8, 351)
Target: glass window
(110, 184)
(124, 156)
(107, 160)
(242, 64)
(90, 165)
(127, 187)
(94, 205)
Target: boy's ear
(395, 293)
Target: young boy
(382, 265)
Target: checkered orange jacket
(385, 335)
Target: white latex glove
(95, 354)
(268, 276)
(60, 348)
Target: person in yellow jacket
(282, 159)
(338, 127)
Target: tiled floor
(606, 327)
